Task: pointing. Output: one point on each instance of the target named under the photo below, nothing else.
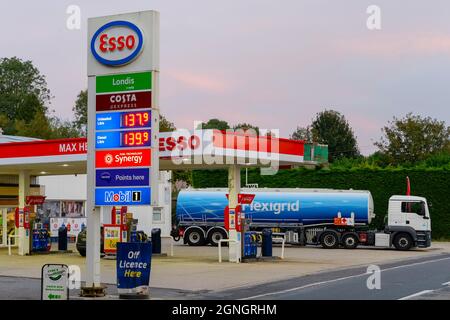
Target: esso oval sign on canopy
(117, 43)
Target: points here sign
(123, 108)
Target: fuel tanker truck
(327, 217)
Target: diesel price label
(217, 311)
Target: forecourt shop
(124, 139)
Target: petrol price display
(135, 138)
(136, 119)
(123, 120)
(122, 139)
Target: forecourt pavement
(198, 269)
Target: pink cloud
(195, 80)
(364, 123)
(397, 45)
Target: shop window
(157, 214)
(72, 209)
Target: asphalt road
(422, 278)
(425, 278)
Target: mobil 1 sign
(133, 196)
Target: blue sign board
(122, 196)
(122, 177)
(121, 120)
(107, 140)
(133, 267)
(108, 121)
(119, 139)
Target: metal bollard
(156, 240)
(62, 238)
(266, 248)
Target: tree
(331, 128)
(80, 112)
(63, 129)
(246, 127)
(23, 92)
(38, 127)
(413, 139)
(44, 127)
(165, 125)
(215, 124)
(302, 133)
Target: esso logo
(117, 43)
(181, 143)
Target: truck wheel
(350, 241)
(194, 237)
(215, 235)
(329, 240)
(403, 241)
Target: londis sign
(117, 43)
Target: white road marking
(338, 279)
(415, 294)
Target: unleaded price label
(124, 82)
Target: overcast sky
(271, 63)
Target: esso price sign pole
(123, 121)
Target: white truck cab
(408, 223)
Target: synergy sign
(123, 158)
(117, 43)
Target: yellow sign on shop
(112, 236)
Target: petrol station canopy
(199, 149)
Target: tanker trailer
(332, 218)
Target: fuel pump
(132, 228)
(40, 238)
(18, 218)
(116, 216)
(124, 218)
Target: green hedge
(434, 184)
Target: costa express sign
(117, 43)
